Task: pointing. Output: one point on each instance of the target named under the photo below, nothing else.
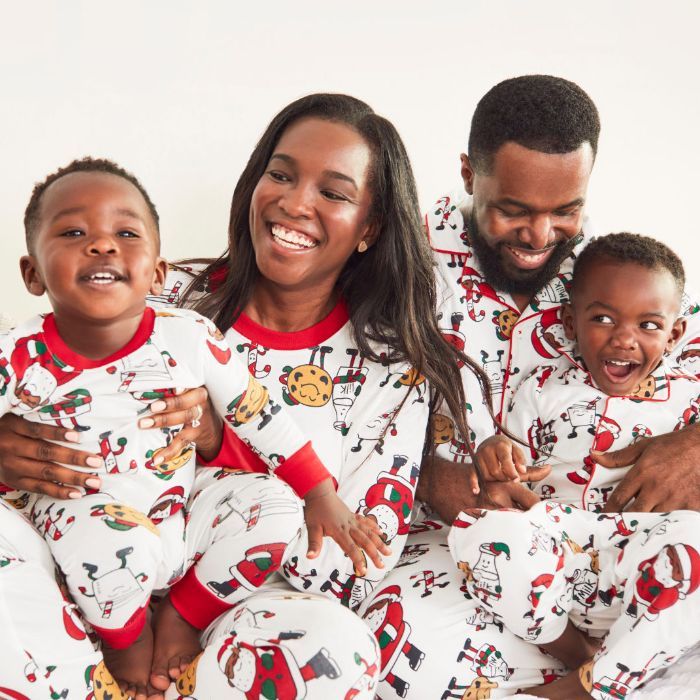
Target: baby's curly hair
(629, 248)
(32, 214)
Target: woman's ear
(369, 238)
(31, 275)
(567, 319)
(159, 274)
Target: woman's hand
(202, 424)
(326, 515)
(28, 461)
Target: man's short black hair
(540, 112)
(88, 164)
(629, 248)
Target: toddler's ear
(677, 332)
(159, 274)
(31, 275)
(567, 318)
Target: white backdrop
(178, 92)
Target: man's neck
(288, 311)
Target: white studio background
(178, 92)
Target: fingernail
(158, 406)
(157, 460)
(93, 482)
(75, 494)
(179, 391)
(95, 462)
(146, 423)
(72, 436)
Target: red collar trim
(55, 342)
(297, 340)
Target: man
(504, 248)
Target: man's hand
(448, 489)
(665, 475)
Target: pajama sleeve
(687, 351)
(382, 453)
(523, 418)
(264, 425)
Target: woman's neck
(288, 311)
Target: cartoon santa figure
(385, 620)
(269, 670)
(548, 336)
(390, 500)
(39, 372)
(663, 580)
(259, 563)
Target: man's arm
(445, 486)
(665, 475)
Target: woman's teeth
(291, 239)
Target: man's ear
(467, 173)
(159, 274)
(31, 275)
(567, 319)
(677, 332)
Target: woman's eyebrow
(328, 173)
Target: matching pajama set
(630, 576)
(467, 651)
(368, 427)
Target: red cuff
(125, 636)
(303, 470)
(195, 602)
(235, 454)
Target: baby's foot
(131, 666)
(176, 645)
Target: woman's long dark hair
(390, 290)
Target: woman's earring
(362, 247)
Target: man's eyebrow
(579, 201)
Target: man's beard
(527, 282)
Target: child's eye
(127, 234)
(650, 325)
(73, 233)
(603, 318)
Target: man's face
(527, 212)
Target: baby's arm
(500, 459)
(268, 428)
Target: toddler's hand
(500, 459)
(327, 515)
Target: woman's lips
(291, 239)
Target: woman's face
(309, 210)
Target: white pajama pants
(630, 578)
(239, 525)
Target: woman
(327, 288)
